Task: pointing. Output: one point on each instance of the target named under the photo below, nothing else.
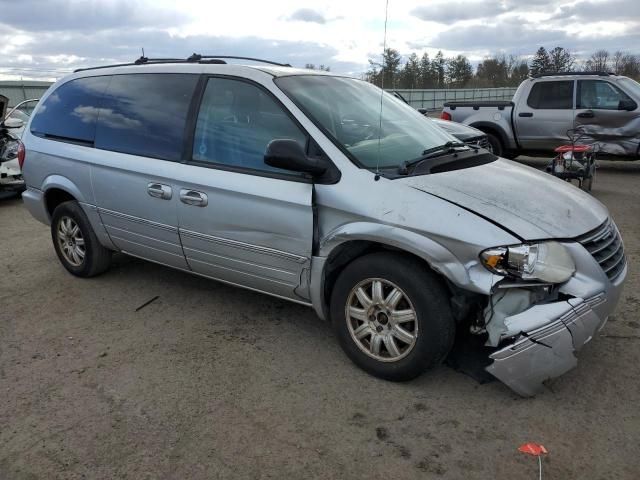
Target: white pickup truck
(604, 106)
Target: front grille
(482, 142)
(605, 244)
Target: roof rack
(195, 58)
(556, 74)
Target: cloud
(47, 38)
(504, 36)
(601, 11)
(523, 38)
(70, 15)
(455, 11)
(50, 53)
(308, 15)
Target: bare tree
(598, 62)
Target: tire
(69, 242)
(432, 329)
(496, 144)
(587, 182)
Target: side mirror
(423, 111)
(12, 123)
(289, 155)
(627, 105)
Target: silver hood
(532, 204)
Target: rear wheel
(76, 243)
(391, 316)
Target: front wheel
(496, 145)
(392, 316)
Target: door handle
(159, 190)
(525, 114)
(587, 114)
(193, 197)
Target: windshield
(631, 86)
(349, 111)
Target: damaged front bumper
(549, 350)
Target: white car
(11, 130)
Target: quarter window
(551, 95)
(236, 122)
(145, 114)
(597, 94)
(71, 111)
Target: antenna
(384, 51)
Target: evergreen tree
(540, 63)
(410, 74)
(426, 79)
(492, 72)
(560, 60)
(459, 71)
(438, 70)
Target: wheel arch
(347, 243)
(58, 189)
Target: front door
(542, 122)
(608, 116)
(139, 144)
(240, 220)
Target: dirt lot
(210, 381)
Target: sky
(46, 39)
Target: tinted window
(552, 95)
(145, 114)
(236, 122)
(599, 95)
(70, 112)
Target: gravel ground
(210, 381)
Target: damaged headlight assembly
(548, 262)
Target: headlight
(546, 261)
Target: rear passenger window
(551, 95)
(70, 112)
(236, 122)
(145, 114)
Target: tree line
(499, 70)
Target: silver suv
(323, 190)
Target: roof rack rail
(555, 74)
(194, 58)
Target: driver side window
(236, 122)
(598, 94)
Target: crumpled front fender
(471, 276)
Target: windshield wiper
(432, 152)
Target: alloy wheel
(71, 241)
(381, 319)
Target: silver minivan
(325, 191)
